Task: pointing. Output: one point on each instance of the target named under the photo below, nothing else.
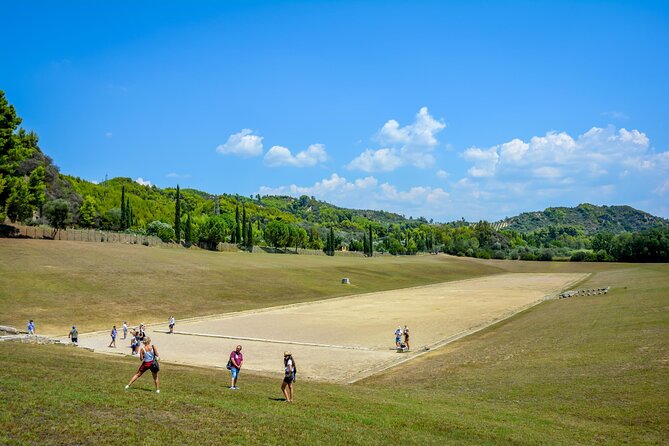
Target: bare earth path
(349, 338)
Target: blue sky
(447, 110)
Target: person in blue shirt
(113, 336)
(31, 327)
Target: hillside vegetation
(589, 218)
(33, 191)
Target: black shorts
(289, 379)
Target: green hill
(589, 218)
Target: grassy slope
(96, 285)
(577, 371)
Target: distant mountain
(590, 218)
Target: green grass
(586, 370)
(95, 285)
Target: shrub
(578, 256)
(162, 230)
(527, 256)
(545, 255)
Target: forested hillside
(33, 191)
(591, 219)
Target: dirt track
(348, 338)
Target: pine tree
(177, 217)
(124, 216)
(37, 188)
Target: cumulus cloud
(557, 152)
(412, 145)
(367, 193)
(559, 168)
(281, 156)
(143, 182)
(484, 161)
(244, 144)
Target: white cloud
(615, 115)
(614, 165)
(367, 193)
(143, 182)
(382, 160)
(281, 156)
(485, 161)
(590, 154)
(244, 144)
(442, 174)
(420, 133)
(178, 175)
(547, 172)
(109, 134)
(412, 145)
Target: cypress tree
(188, 232)
(177, 217)
(238, 230)
(124, 216)
(244, 226)
(249, 236)
(332, 241)
(128, 214)
(371, 246)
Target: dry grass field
(96, 284)
(354, 330)
(583, 370)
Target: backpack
(294, 367)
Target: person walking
(31, 327)
(112, 344)
(74, 335)
(134, 342)
(235, 364)
(289, 376)
(148, 354)
(406, 337)
(172, 324)
(125, 330)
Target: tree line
(33, 191)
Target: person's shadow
(276, 399)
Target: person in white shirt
(289, 376)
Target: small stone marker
(345, 281)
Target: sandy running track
(346, 339)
